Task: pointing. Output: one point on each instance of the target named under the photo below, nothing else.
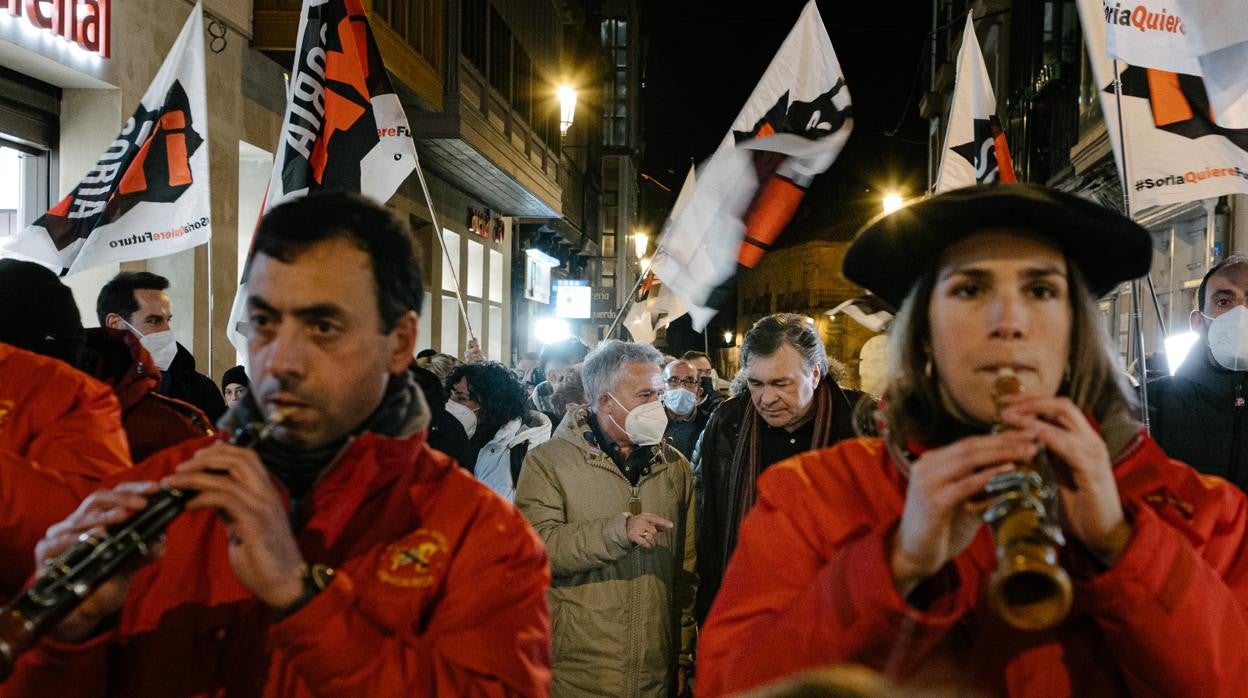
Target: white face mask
(1228, 339)
(644, 424)
(466, 417)
(163, 346)
(680, 400)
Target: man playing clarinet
(338, 556)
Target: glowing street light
(641, 241)
(567, 107)
(892, 202)
(728, 337)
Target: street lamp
(728, 337)
(641, 241)
(892, 202)
(567, 107)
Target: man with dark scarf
(341, 555)
(793, 406)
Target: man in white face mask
(614, 503)
(1200, 414)
(138, 302)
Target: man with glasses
(683, 400)
(1200, 414)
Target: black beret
(234, 375)
(891, 252)
(35, 306)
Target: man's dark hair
(1231, 261)
(500, 395)
(426, 352)
(693, 355)
(292, 228)
(117, 296)
(770, 333)
(568, 352)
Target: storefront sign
(87, 23)
(602, 303)
(483, 223)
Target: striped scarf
(743, 477)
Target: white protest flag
(658, 308)
(975, 149)
(1149, 33)
(1174, 151)
(344, 128)
(147, 196)
(1218, 33)
(868, 311)
(792, 127)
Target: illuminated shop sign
(86, 23)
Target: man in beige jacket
(614, 504)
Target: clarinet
(69, 578)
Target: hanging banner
(1173, 149)
(148, 194)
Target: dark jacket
(183, 383)
(446, 434)
(1199, 416)
(712, 460)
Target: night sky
(704, 58)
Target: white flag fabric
(1148, 33)
(658, 308)
(1218, 33)
(867, 311)
(1174, 150)
(975, 149)
(344, 128)
(792, 127)
(148, 194)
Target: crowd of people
(611, 521)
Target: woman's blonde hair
(916, 407)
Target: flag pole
(1136, 287)
(628, 301)
(437, 230)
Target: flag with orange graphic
(147, 195)
(790, 130)
(1173, 147)
(975, 148)
(344, 128)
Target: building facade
(477, 79)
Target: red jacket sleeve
(1175, 617)
(489, 634)
(794, 599)
(70, 444)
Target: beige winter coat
(618, 610)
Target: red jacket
(60, 437)
(152, 421)
(810, 585)
(440, 589)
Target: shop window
(450, 270)
(476, 269)
(448, 343)
(496, 276)
(495, 352)
(474, 318)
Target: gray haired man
(614, 503)
(793, 406)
